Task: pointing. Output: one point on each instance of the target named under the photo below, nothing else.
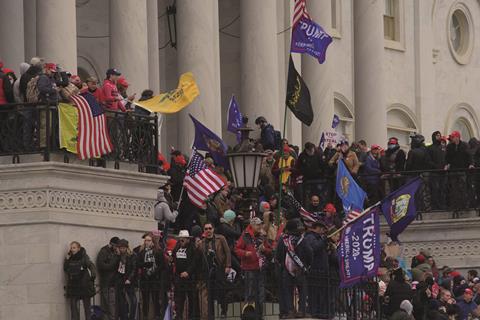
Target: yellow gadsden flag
(68, 125)
(174, 100)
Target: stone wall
(46, 205)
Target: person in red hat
(6, 89)
(284, 166)
(457, 157)
(122, 86)
(467, 306)
(47, 88)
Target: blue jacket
(47, 89)
(302, 250)
(267, 137)
(372, 170)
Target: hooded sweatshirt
(437, 154)
(19, 98)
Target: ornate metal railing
(34, 129)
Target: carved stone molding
(23, 199)
(447, 249)
(78, 201)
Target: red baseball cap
(468, 291)
(51, 66)
(7, 70)
(455, 134)
(329, 207)
(75, 79)
(375, 147)
(123, 82)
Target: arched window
(462, 118)
(86, 68)
(343, 111)
(400, 125)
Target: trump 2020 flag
(308, 37)
(234, 118)
(298, 96)
(335, 121)
(348, 190)
(399, 207)
(359, 250)
(207, 140)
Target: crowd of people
(223, 253)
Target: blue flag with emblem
(348, 190)
(207, 140)
(399, 207)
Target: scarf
(293, 264)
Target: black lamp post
(245, 163)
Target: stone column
(129, 42)
(12, 50)
(30, 28)
(259, 62)
(318, 77)
(153, 56)
(370, 95)
(198, 52)
(57, 32)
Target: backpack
(75, 269)
(33, 94)
(277, 139)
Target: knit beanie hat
(229, 215)
(406, 306)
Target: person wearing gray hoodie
(19, 98)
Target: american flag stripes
(200, 181)
(307, 217)
(299, 11)
(93, 139)
(350, 216)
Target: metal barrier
(453, 190)
(202, 300)
(34, 129)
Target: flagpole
(355, 219)
(183, 186)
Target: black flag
(298, 96)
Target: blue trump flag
(234, 118)
(348, 190)
(308, 37)
(206, 140)
(335, 121)
(399, 207)
(359, 250)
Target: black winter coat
(419, 159)
(143, 266)
(80, 274)
(397, 292)
(130, 269)
(319, 250)
(458, 156)
(302, 250)
(311, 167)
(107, 263)
(437, 154)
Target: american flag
(93, 138)
(299, 11)
(308, 218)
(351, 215)
(200, 181)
